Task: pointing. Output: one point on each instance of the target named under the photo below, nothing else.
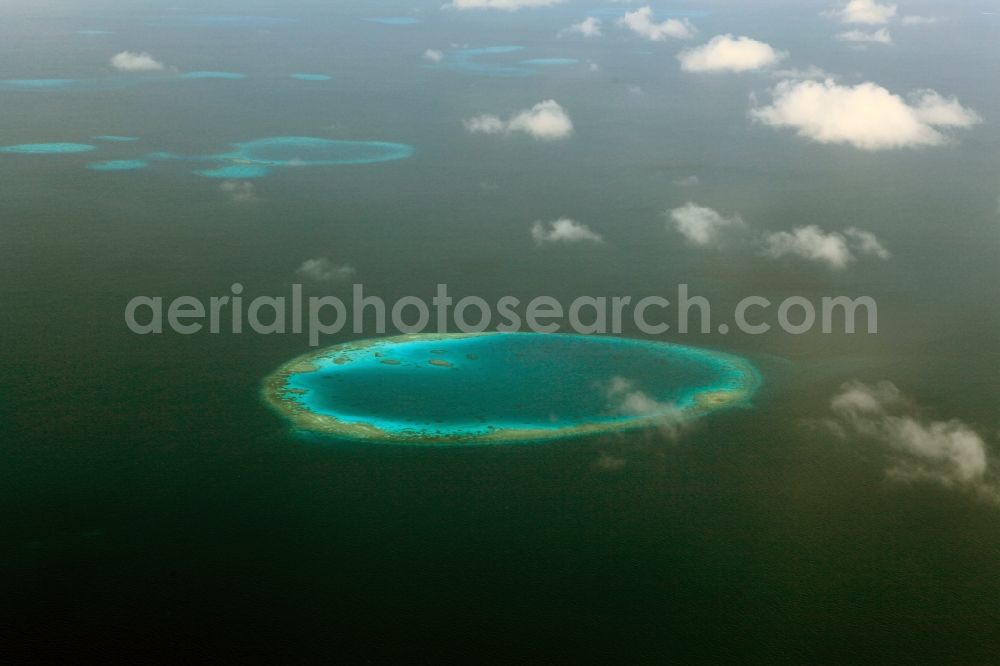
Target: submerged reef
(551, 61)
(489, 388)
(48, 148)
(255, 159)
(478, 61)
(117, 82)
(252, 159)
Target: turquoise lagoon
(255, 159)
(489, 388)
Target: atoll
(489, 388)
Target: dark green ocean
(150, 501)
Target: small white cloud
(704, 227)
(433, 55)
(505, 5)
(485, 124)
(545, 121)
(687, 181)
(950, 453)
(833, 249)
(129, 61)
(588, 27)
(809, 242)
(864, 11)
(934, 109)
(240, 191)
(563, 230)
(866, 116)
(624, 398)
(726, 53)
(641, 23)
(628, 400)
(919, 20)
(866, 242)
(325, 270)
(880, 36)
(609, 463)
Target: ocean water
(311, 77)
(394, 20)
(150, 497)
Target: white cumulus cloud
(588, 27)
(623, 397)
(641, 23)
(880, 36)
(240, 191)
(563, 230)
(809, 242)
(918, 20)
(545, 121)
(834, 249)
(866, 242)
(704, 227)
(433, 55)
(866, 115)
(950, 452)
(726, 53)
(325, 270)
(134, 61)
(865, 11)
